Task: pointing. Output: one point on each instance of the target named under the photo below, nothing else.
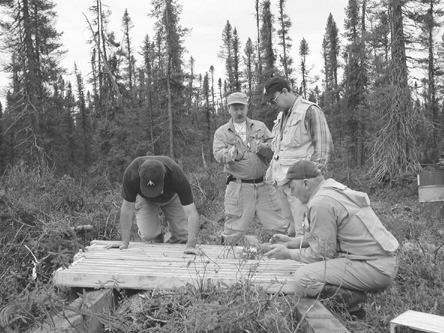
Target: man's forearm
(193, 229)
(297, 243)
(295, 254)
(125, 226)
(220, 149)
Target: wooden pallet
(165, 266)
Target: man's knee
(177, 239)
(232, 237)
(151, 238)
(306, 284)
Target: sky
(204, 18)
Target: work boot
(157, 239)
(345, 299)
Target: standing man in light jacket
(300, 132)
(242, 145)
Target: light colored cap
(237, 98)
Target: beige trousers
(149, 224)
(244, 201)
(357, 275)
(295, 208)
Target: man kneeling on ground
(151, 184)
(347, 249)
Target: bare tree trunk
(204, 161)
(361, 126)
(170, 111)
(433, 104)
(284, 42)
(259, 60)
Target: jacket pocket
(292, 131)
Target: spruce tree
(267, 52)
(148, 64)
(258, 39)
(226, 53)
(129, 58)
(237, 74)
(249, 60)
(330, 48)
(355, 81)
(303, 52)
(207, 110)
(170, 41)
(427, 15)
(2, 142)
(34, 45)
(69, 127)
(285, 41)
(83, 121)
(213, 105)
(394, 150)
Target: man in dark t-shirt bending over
(151, 183)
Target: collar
(321, 184)
(296, 101)
(248, 124)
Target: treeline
(381, 88)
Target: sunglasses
(274, 100)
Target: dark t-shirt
(175, 182)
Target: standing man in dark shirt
(151, 183)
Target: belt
(230, 178)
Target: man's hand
(232, 154)
(123, 245)
(278, 251)
(193, 251)
(193, 226)
(280, 239)
(265, 247)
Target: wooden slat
(211, 250)
(81, 315)
(165, 266)
(424, 322)
(139, 281)
(316, 318)
(431, 193)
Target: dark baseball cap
(152, 175)
(276, 83)
(303, 170)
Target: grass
(217, 308)
(38, 211)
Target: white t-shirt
(241, 130)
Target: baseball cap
(151, 174)
(303, 170)
(276, 83)
(237, 98)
